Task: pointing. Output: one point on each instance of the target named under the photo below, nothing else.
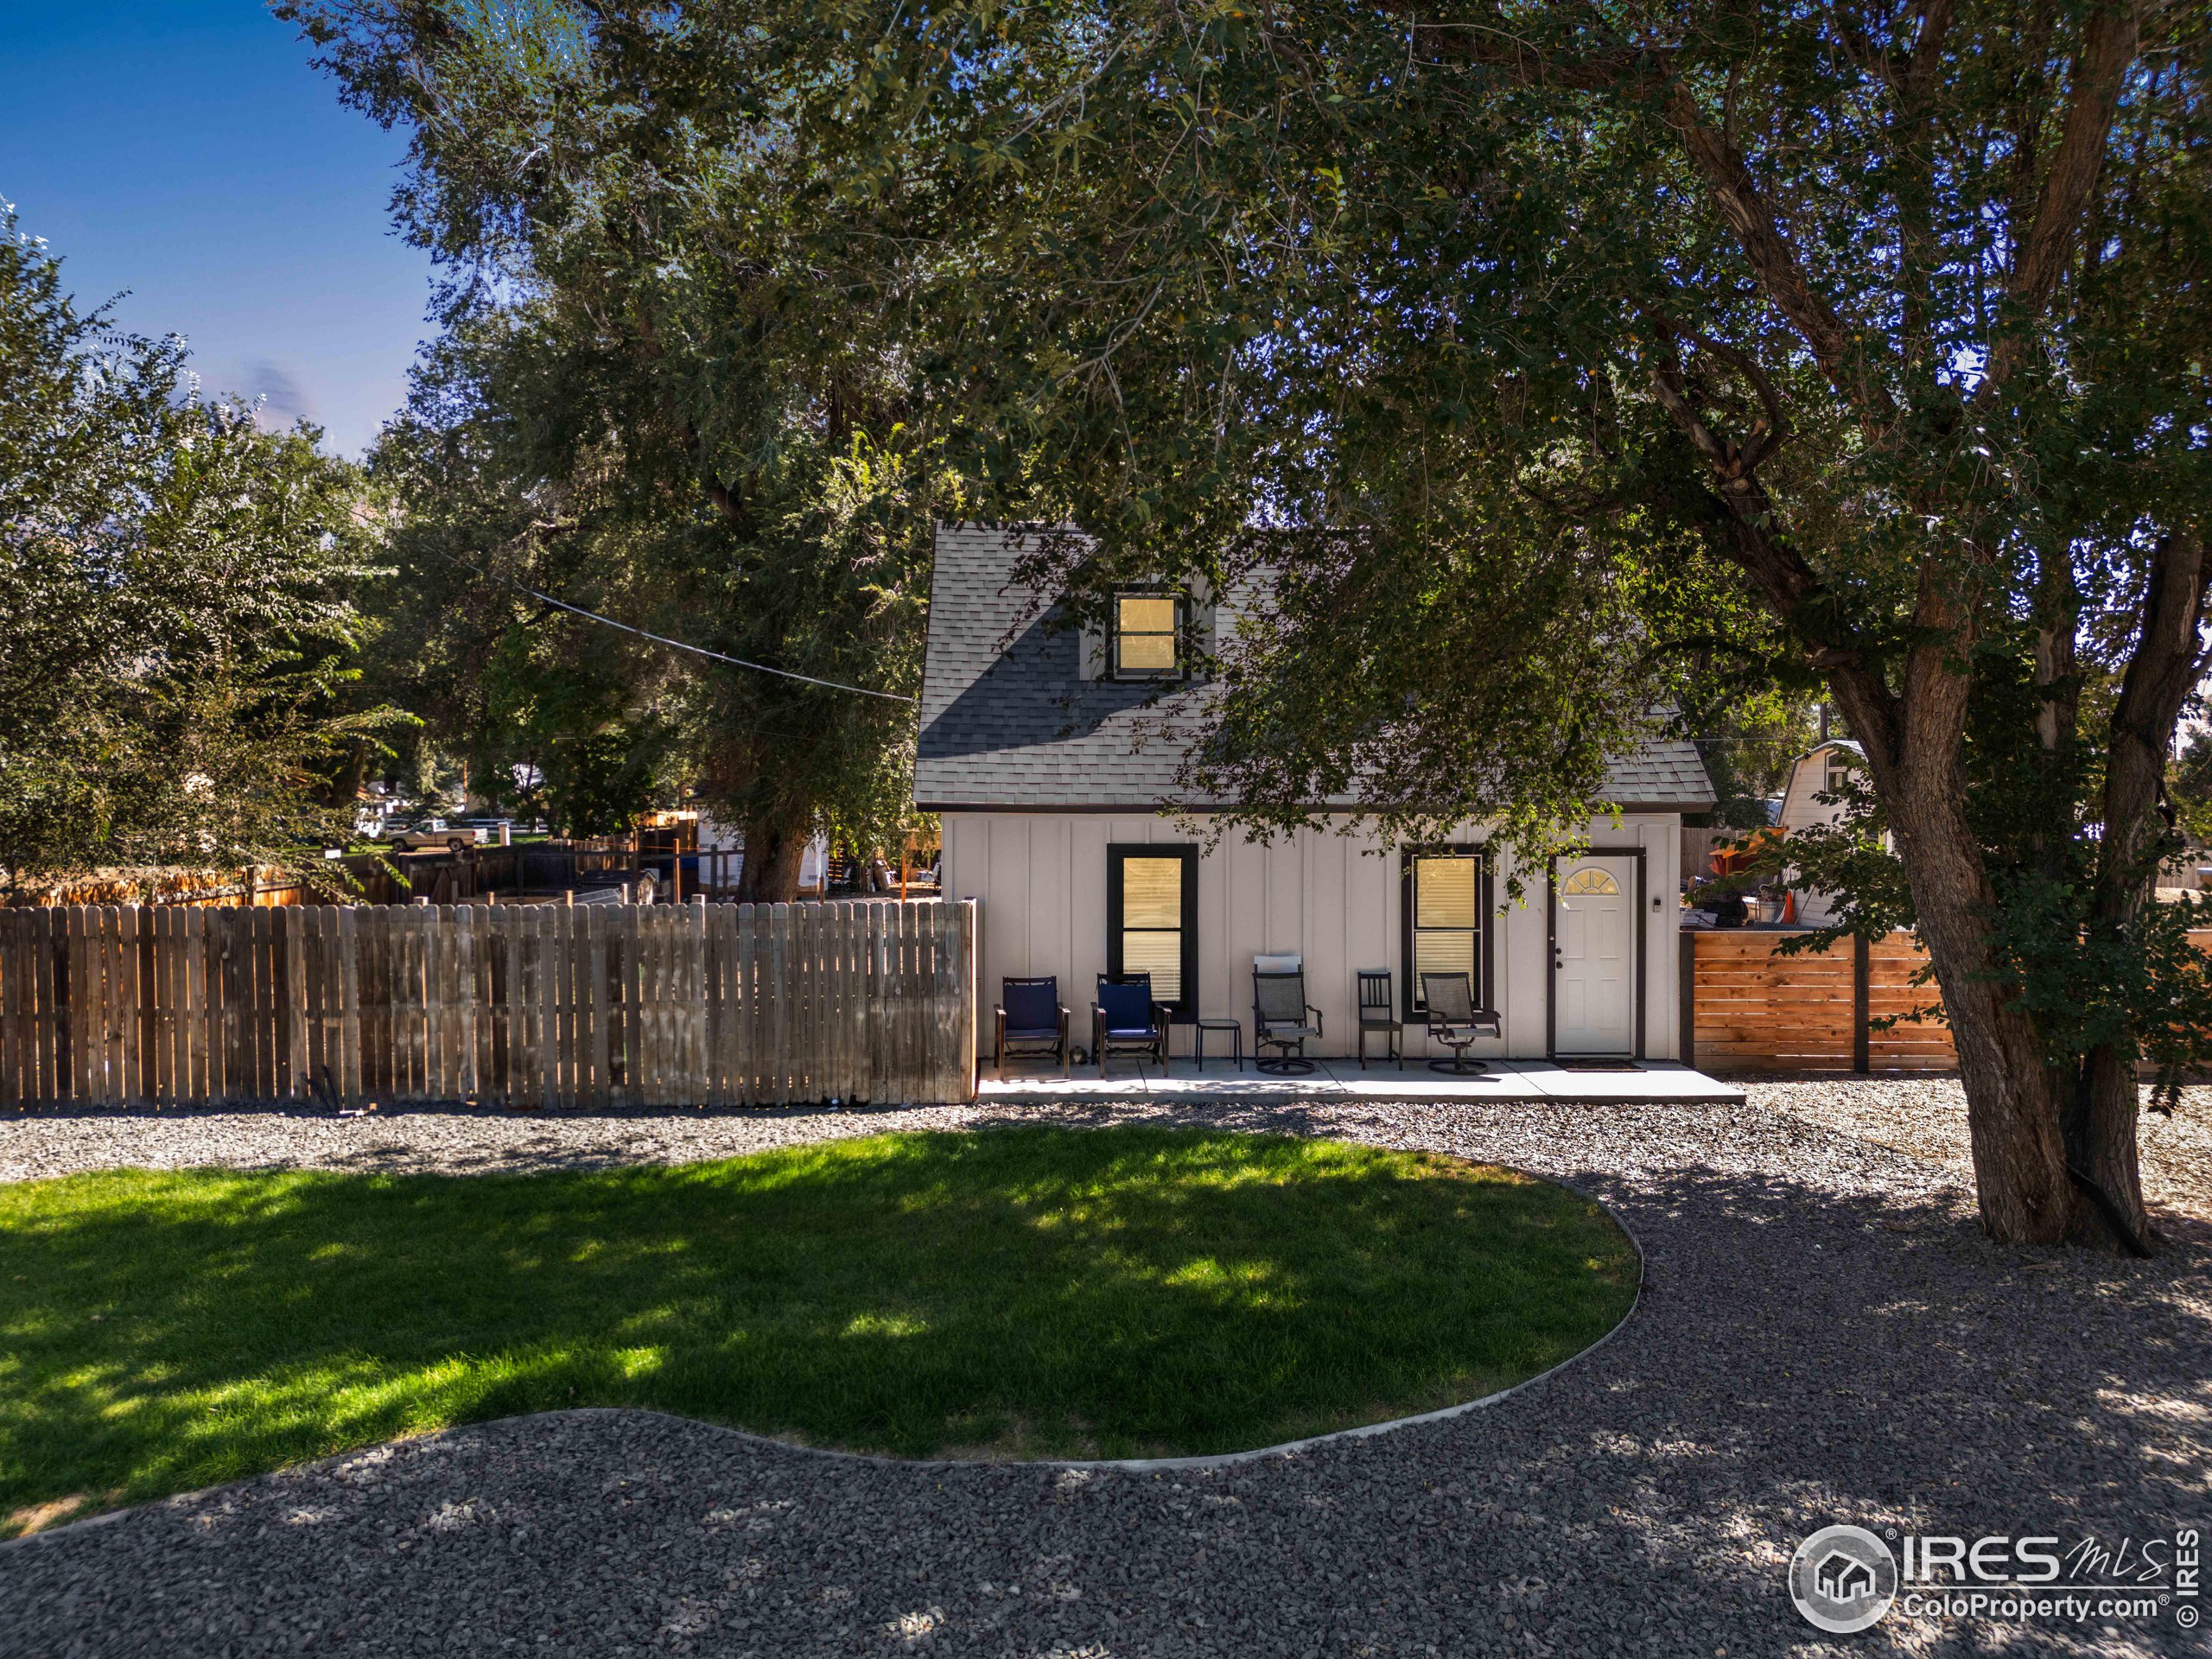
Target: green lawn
(1014, 1293)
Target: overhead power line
(679, 645)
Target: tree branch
(1732, 459)
(2161, 674)
(1926, 53)
(1735, 193)
(2108, 47)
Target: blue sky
(186, 152)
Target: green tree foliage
(651, 403)
(1533, 351)
(174, 629)
(1889, 322)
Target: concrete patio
(1658, 1082)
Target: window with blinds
(1146, 629)
(1444, 911)
(1152, 907)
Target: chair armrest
(1316, 1013)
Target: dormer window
(1147, 636)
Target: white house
(1821, 770)
(1059, 817)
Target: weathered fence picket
(527, 1005)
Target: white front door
(1593, 956)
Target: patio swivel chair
(1031, 1021)
(1455, 1021)
(1378, 1014)
(1280, 1019)
(1126, 1021)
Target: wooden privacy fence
(1745, 1008)
(540, 1005)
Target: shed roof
(1020, 729)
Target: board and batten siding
(1333, 898)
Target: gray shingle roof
(1021, 730)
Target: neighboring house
(1033, 751)
(1821, 770)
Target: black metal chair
(1280, 1021)
(1378, 1012)
(1455, 1021)
(1126, 1021)
(1031, 1021)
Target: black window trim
(1485, 931)
(1114, 669)
(1117, 853)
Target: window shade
(1145, 634)
(1443, 953)
(1159, 953)
(1152, 892)
(1444, 893)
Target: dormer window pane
(1144, 635)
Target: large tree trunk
(1913, 742)
(775, 840)
(2101, 1120)
(2099, 1127)
(2012, 1111)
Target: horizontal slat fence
(1754, 1011)
(537, 1005)
(1748, 1009)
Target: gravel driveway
(1824, 1336)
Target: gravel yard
(1923, 1118)
(1926, 1118)
(1824, 1336)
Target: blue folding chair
(1031, 1021)
(1126, 1021)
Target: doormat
(1600, 1065)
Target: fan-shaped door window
(1596, 882)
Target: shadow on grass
(1015, 1292)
